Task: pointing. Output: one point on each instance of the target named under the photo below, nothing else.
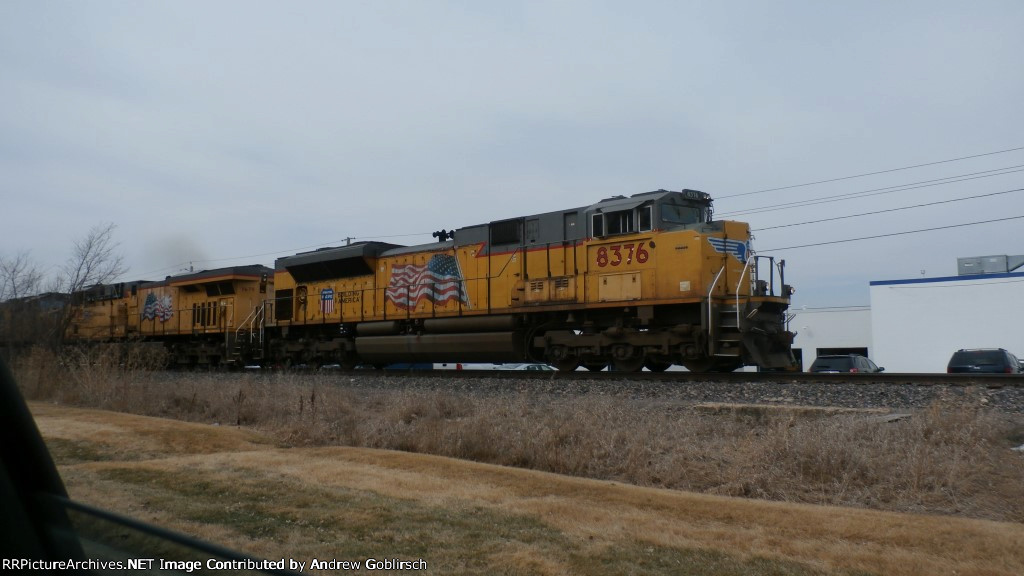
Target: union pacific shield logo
(726, 246)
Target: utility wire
(871, 173)
(881, 191)
(893, 234)
(890, 210)
(836, 198)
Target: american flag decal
(327, 301)
(440, 282)
(161, 308)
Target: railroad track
(890, 392)
(987, 380)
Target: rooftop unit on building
(988, 265)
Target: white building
(915, 325)
(918, 324)
(840, 330)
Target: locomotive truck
(648, 280)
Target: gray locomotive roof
(340, 262)
(250, 270)
(356, 250)
(617, 203)
(399, 250)
(355, 258)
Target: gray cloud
(301, 124)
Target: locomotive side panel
(475, 281)
(104, 313)
(622, 269)
(679, 261)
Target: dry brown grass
(236, 487)
(952, 458)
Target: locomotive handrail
(769, 285)
(738, 286)
(711, 323)
(257, 315)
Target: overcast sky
(230, 133)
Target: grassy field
(952, 457)
(244, 489)
(525, 481)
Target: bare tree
(94, 261)
(29, 317)
(23, 316)
(19, 277)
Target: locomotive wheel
(626, 358)
(655, 366)
(595, 366)
(713, 364)
(562, 359)
(631, 364)
(567, 364)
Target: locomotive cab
(664, 283)
(649, 211)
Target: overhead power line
(880, 191)
(871, 173)
(836, 198)
(892, 234)
(890, 210)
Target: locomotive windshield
(675, 214)
(685, 208)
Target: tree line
(34, 306)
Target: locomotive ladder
(728, 338)
(724, 336)
(249, 335)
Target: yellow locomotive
(647, 280)
(203, 318)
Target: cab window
(645, 216)
(675, 214)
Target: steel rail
(918, 379)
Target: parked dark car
(844, 363)
(992, 360)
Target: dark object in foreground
(43, 530)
